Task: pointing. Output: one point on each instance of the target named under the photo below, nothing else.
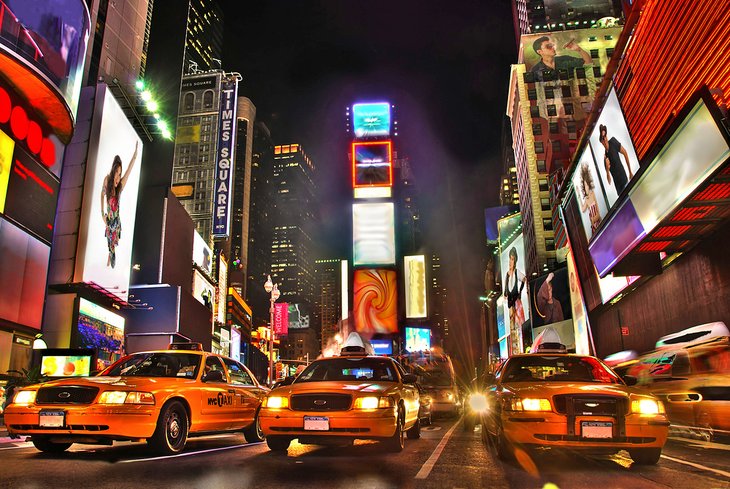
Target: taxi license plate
(596, 429)
(52, 419)
(316, 423)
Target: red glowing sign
(25, 129)
(372, 164)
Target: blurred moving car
(340, 399)
(424, 406)
(690, 372)
(437, 378)
(560, 400)
(158, 396)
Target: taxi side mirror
(630, 380)
(410, 378)
(214, 376)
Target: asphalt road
(444, 457)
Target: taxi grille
(321, 402)
(66, 395)
(593, 405)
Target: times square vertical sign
(224, 159)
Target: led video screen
(418, 339)
(203, 290)
(371, 119)
(110, 198)
(415, 284)
(372, 164)
(515, 290)
(550, 298)
(373, 228)
(202, 254)
(298, 316)
(589, 193)
(100, 330)
(66, 362)
(382, 347)
(375, 302)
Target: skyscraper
(328, 298)
(204, 37)
(439, 321)
(292, 246)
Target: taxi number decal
(221, 400)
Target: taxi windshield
(158, 364)
(338, 369)
(539, 368)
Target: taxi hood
(338, 387)
(116, 381)
(548, 389)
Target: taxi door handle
(231, 391)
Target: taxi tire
(254, 433)
(278, 443)
(414, 432)
(501, 445)
(172, 429)
(44, 445)
(645, 456)
(397, 442)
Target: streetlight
(273, 289)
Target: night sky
(445, 65)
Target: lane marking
(428, 466)
(698, 466)
(25, 445)
(187, 454)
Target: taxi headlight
(647, 406)
(536, 405)
(478, 402)
(126, 397)
(25, 397)
(276, 402)
(373, 402)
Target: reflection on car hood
(549, 389)
(136, 382)
(337, 386)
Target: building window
(549, 244)
(570, 125)
(549, 92)
(547, 224)
(549, 75)
(556, 146)
(529, 77)
(545, 204)
(536, 129)
(563, 74)
(189, 101)
(594, 53)
(554, 129)
(543, 184)
(580, 72)
(566, 91)
(532, 94)
(552, 111)
(583, 89)
(534, 111)
(539, 147)
(541, 167)
(208, 99)
(609, 52)
(568, 109)
(596, 72)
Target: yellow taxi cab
(158, 396)
(558, 400)
(340, 399)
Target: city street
(444, 457)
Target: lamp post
(273, 289)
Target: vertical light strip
(344, 277)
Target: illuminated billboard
(281, 318)
(550, 298)
(6, 161)
(371, 119)
(382, 347)
(613, 150)
(224, 160)
(373, 229)
(222, 296)
(203, 290)
(415, 283)
(110, 198)
(568, 50)
(100, 330)
(375, 303)
(581, 326)
(502, 329)
(298, 316)
(515, 290)
(589, 193)
(202, 254)
(67, 362)
(372, 164)
(418, 339)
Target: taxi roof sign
(356, 345)
(186, 346)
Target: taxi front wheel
(172, 429)
(397, 442)
(278, 443)
(254, 433)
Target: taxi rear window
(183, 365)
